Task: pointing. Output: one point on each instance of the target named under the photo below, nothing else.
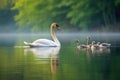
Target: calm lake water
(64, 63)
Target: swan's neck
(54, 36)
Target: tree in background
(92, 13)
(80, 14)
(39, 14)
(7, 22)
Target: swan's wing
(44, 42)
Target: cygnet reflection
(100, 51)
(93, 51)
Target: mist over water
(66, 38)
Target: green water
(65, 63)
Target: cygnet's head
(98, 43)
(93, 42)
(77, 42)
(88, 37)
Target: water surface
(64, 63)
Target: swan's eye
(57, 25)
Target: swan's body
(42, 42)
(46, 42)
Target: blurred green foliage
(78, 14)
(7, 23)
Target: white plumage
(46, 42)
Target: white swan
(46, 42)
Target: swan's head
(55, 26)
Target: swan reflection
(45, 55)
(43, 52)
